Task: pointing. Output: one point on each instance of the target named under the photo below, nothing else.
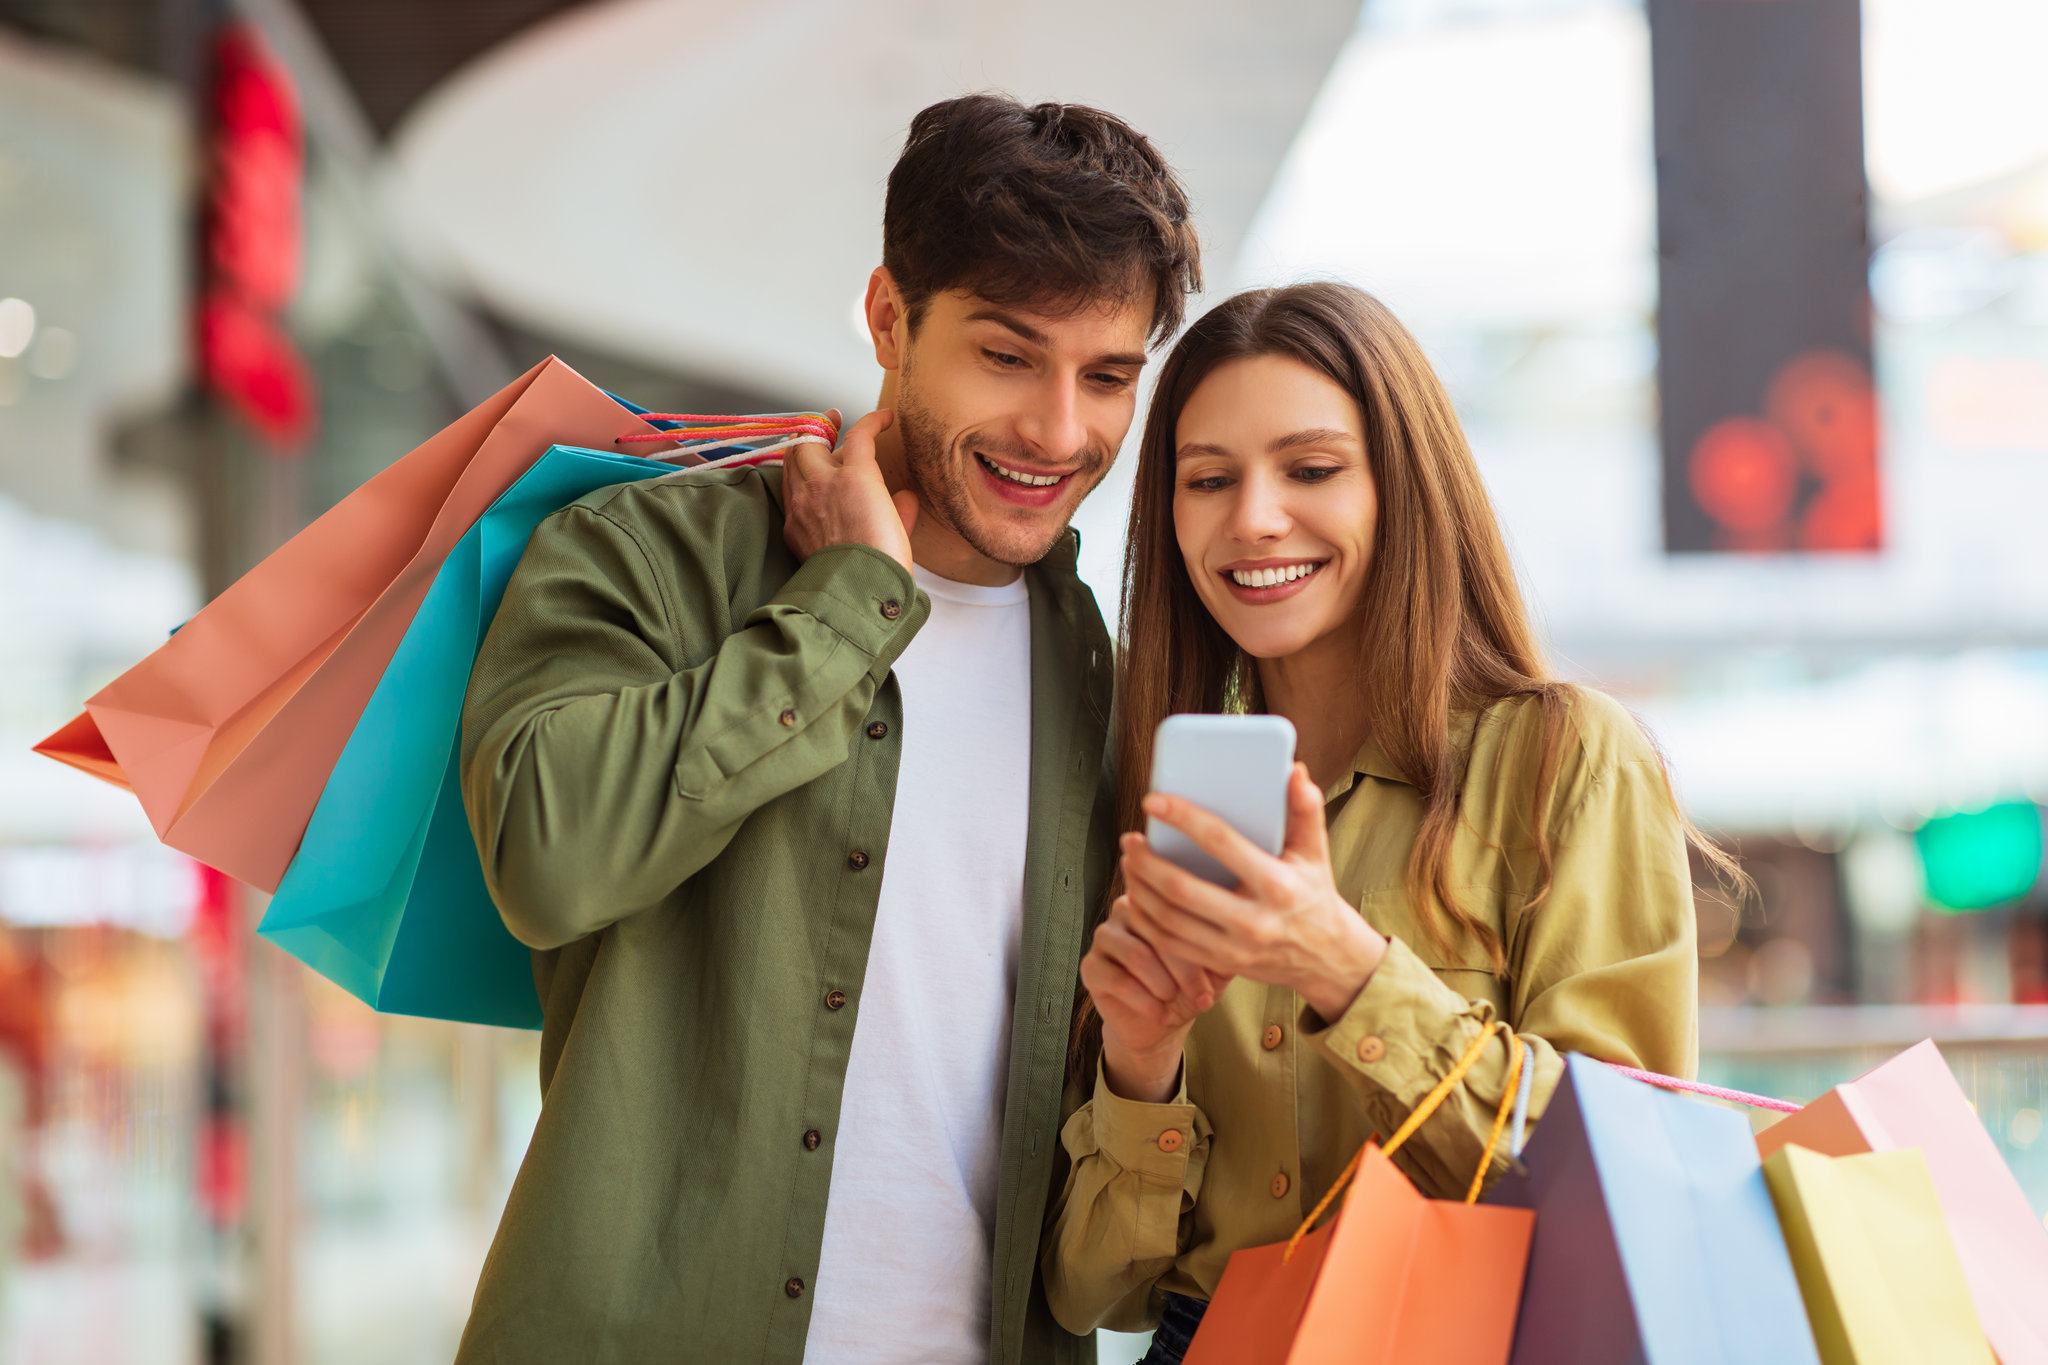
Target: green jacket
(679, 759)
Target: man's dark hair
(1044, 204)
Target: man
(793, 781)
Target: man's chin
(1013, 539)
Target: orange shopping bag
(1393, 1279)
(227, 733)
(1913, 1101)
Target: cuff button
(1170, 1140)
(1371, 1048)
(891, 609)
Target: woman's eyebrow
(1194, 448)
(1313, 436)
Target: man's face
(1009, 417)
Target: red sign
(253, 234)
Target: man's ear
(888, 320)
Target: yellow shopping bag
(1875, 1262)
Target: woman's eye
(1315, 473)
(1213, 483)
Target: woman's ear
(887, 318)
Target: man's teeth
(1271, 578)
(1018, 476)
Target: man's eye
(1004, 359)
(1112, 381)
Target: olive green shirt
(1274, 1100)
(679, 759)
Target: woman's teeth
(1018, 476)
(1272, 578)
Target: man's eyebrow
(1129, 359)
(1013, 322)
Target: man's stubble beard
(941, 484)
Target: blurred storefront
(215, 1155)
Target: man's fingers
(857, 442)
(906, 510)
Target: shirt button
(1170, 1140)
(1371, 1048)
(835, 1000)
(857, 859)
(793, 1287)
(1274, 1033)
(787, 718)
(1280, 1185)
(891, 609)
(812, 1139)
(879, 730)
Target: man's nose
(1053, 427)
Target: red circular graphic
(1744, 473)
(1824, 401)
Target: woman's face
(1274, 504)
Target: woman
(1468, 839)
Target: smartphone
(1233, 766)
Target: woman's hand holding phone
(1285, 923)
(1148, 1000)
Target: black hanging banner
(1769, 416)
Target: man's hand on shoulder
(838, 497)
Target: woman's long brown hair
(1444, 627)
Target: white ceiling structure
(699, 184)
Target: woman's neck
(1317, 689)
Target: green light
(1987, 858)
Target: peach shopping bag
(227, 732)
(1393, 1279)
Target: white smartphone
(1233, 766)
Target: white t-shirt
(909, 1226)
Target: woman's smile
(1260, 582)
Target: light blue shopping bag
(1656, 1239)
(386, 896)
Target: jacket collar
(1372, 761)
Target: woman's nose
(1260, 513)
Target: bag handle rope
(1517, 1055)
(1716, 1092)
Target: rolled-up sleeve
(1119, 1222)
(1604, 964)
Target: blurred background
(1745, 308)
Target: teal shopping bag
(385, 896)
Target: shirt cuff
(1398, 1027)
(865, 596)
(1151, 1139)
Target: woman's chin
(1268, 643)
